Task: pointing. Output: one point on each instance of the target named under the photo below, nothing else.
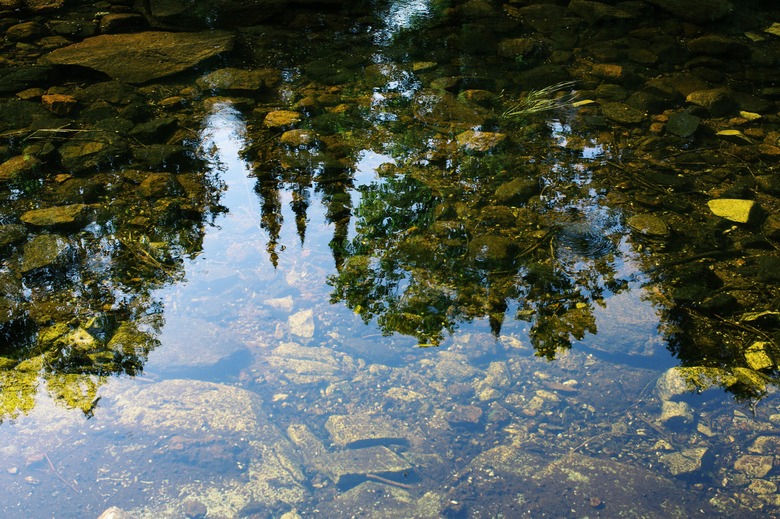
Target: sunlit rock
(454, 367)
(303, 365)
(113, 23)
(680, 381)
(498, 375)
(361, 429)
(686, 461)
(734, 137)
(765, 444)
(758, 355)
(114, 512)
(142, 57)
(58, 216)
(281, 118)
(735, 210)
(753, 465)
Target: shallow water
(390, 316)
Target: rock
(59, 104)
(144, 56)
(649, 225)
(25, 31)
(498, 375)
(454, 367)
(765, 445)
(113, 23)
(154, 131)
(718, 101)
(298, 138)
(686, 462)
(492, 250)
(679, 381)
(395, 502)
(479, 141)
(701, 11)
(593, 12)
(58, 216)
(443, 109)
(758, 356)
(44, 251)
(676, 414)
(194, 509)
(719, 45)
(281, 119)
(114, 513)
(214, 427)
(771, 227)
(682, 124)
(16, 168)
(517, 191)
(303, 365)
(92, 151)
(160, 185)
(735, 210)
(14, 79)
(363, 429)
(754, 466)
(236, 79)
(302, 324)
(11, 233)
(219, 13)
(621, 112)
(464, 415)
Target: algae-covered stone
(517, 191)
(58, 216)
(753, 465)
(649, 225)
(479, 141)
(359, 429)
(18, 167)
(765, 444)
(281, 118)
(11, 233)
(492, 250)
(44, 251)
(679, 381)
(240, 79)
(735, 209)
(622, 113)
(686, 461)
(682, 124)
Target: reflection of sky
(401, 15)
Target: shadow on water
(590, 183)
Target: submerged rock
(18, 167)
(701, 11)
(142, 57)
(686, 461)
(59, 216)
(735, 210)
(361, 429)
(44, 251)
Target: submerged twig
(57, 473)
(389, 482)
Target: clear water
(337, 361)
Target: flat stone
(144, 56)
(682, 124)
(753, 465)
(718, 101)
(765, 445)
(621, 112)
(302, 365)
(362, 428)
(685, 462)
(302, 324)
(649, 225)
(58, 216)
(735, 209)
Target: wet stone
(516, 192)
(142, 57)
(44, 251)
(235, 79)
(718, 102)
(59, 216)
(303, 365)
(701, 11)
(676, 414)
(622, 113)
(479, 141)
(686, 461)
(302, 324)
(754, 466)
(11, 233)
(18, 167)
(160, 185)
(362, 429)
(281, 119)
(758, 356)
(59, 104)
(649, 225)
(298, 138)
(464, 414)
(682, 124)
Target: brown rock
(17, 167)
(59, 104)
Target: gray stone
(359, 429)
(682, 124)
(735, 209)
(142, 57)
(302, 365)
